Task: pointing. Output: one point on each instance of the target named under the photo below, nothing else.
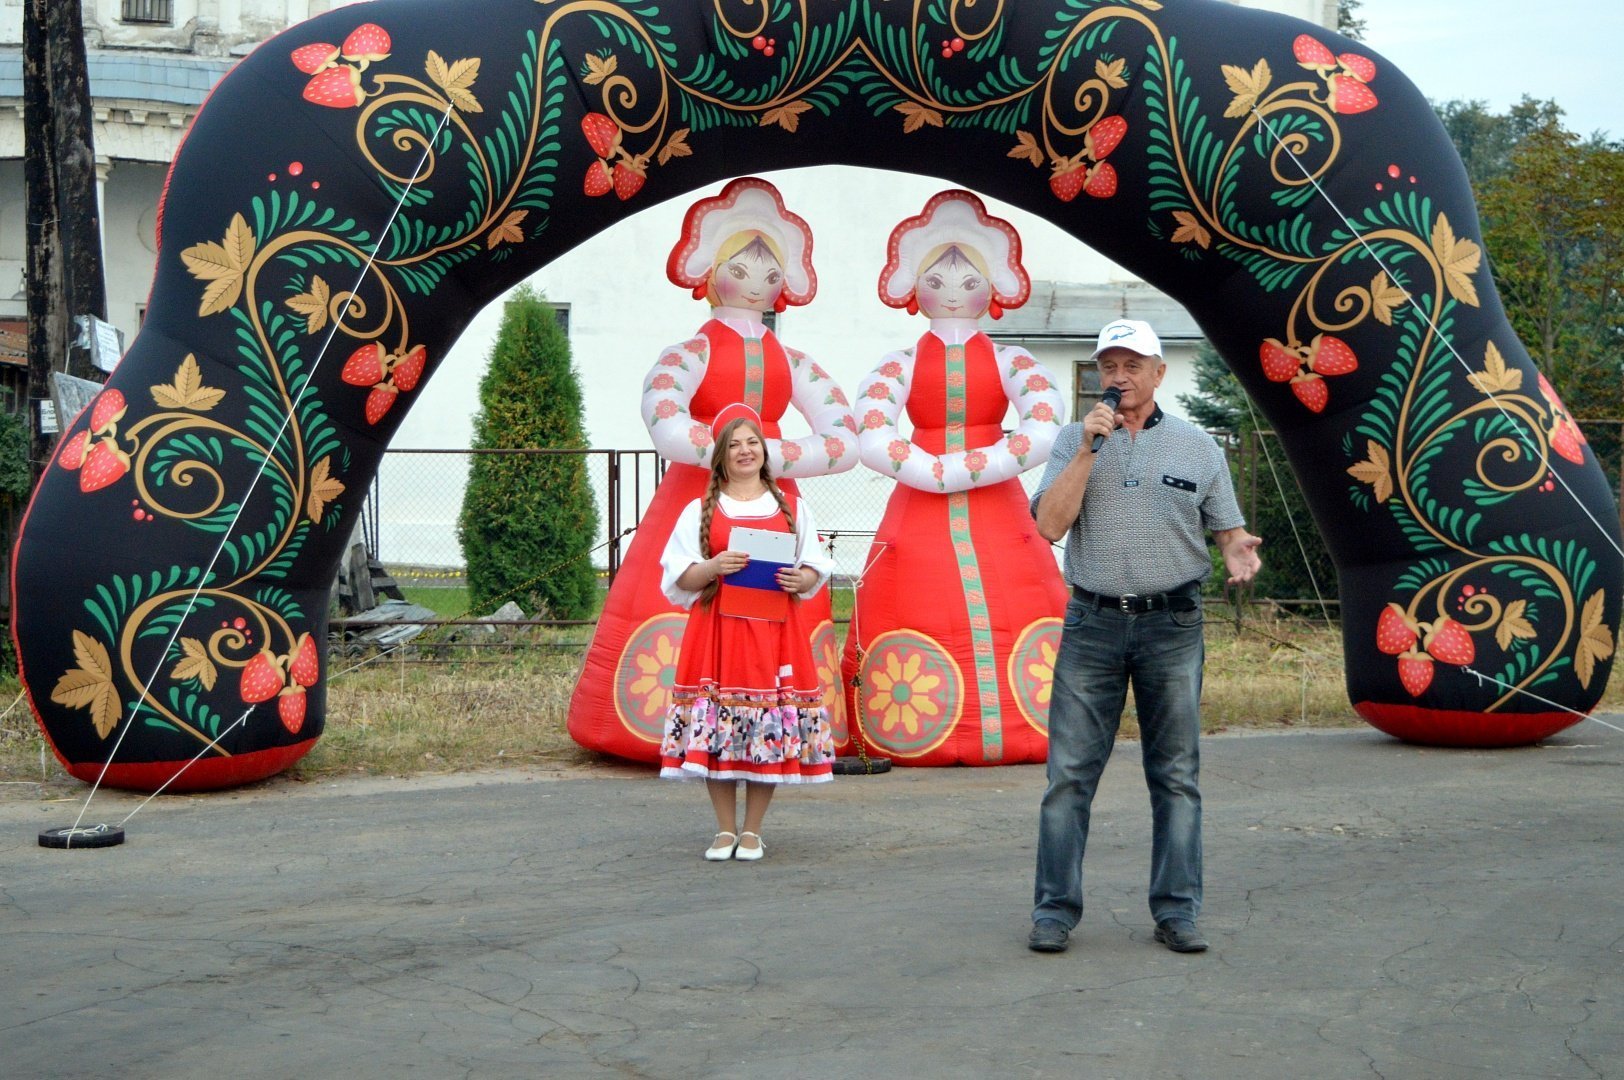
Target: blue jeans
(1102, 650)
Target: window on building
(769, 318)
(561, 312)
(149, 11)
(1086, 381)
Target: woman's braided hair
(718, 475)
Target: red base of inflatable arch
(1442, 727)
(209, 774)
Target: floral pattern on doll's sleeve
(668, 389)
(832, 445)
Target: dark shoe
(1180, 935)
(1048, 935)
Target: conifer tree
(529, 521)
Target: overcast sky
(1498, 50)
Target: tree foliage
(528, 522)
(1348, 21)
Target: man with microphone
(1133, 492)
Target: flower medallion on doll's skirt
(913, 693)
(1031, 671)
(646, 674)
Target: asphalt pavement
(1374, 908)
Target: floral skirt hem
(692, 769)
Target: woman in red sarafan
(747, 255)
(953, 641)
(747, 701)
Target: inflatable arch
(358, 187)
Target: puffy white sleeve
(1027, 385)
(812, 552)
(668, 389)
(832, 446)
(681, 552)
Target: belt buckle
(1125, 602)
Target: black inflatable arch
(360, 186)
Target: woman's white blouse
(682, 549)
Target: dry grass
(494, 707)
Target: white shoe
(720, 852)
(750, 854)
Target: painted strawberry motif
(1104, 137)
(602, 134)
(1331, 356)
(105, 464)
(1311, 54)
(1566, 437)
(380, 401)
(313, 58)
(73, 451)
(365, 366)
(305, 666)
(1360, 67)
(367, 43)
(1449, 642)
(1102, 181)
(409, 370)
(629, 180)
(261, 678)
(1311, 391)
(598, 181)
(1395, 631)
(290, 707)
(1415, 672)
(1350, 96)
(109, 410)
(336, 88)
(1067, 182)
(1280, 364)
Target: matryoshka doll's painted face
(952, 288)
(751, 279)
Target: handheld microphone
(1113, 398)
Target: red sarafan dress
(625, 688)
(957, 621)
(748, 702)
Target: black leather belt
(1139, 604)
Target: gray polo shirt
(1150, 502)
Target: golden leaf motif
(918, 116)
(1026, 148)
(786, 116)
(313, 304)
(1376, 470)
(599, 68)
(1595, 639)
(324, 488)
(195, 664)
(455, 79)
(509, 232)
(1385, 298)
(676, 146)
(1495, 376)
(1111, 73)
(1190, 230)
(1459, 260)
(1248, 86)
(90, 685)
(1513, 625)
(187, 391)
(222, 265)
(1149, 5)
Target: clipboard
(754, 592)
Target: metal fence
(410, 520)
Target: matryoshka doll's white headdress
(746, 205)
(955, 218)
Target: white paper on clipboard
(765, 545)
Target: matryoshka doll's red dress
(625, 687)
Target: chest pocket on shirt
(1179, 502)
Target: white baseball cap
(1131, 334)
